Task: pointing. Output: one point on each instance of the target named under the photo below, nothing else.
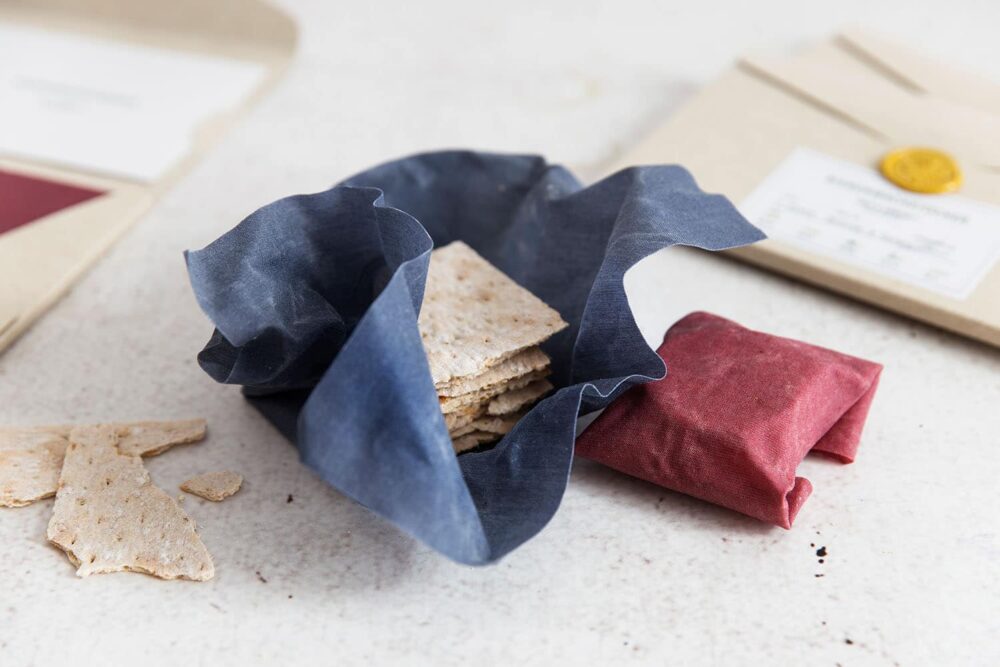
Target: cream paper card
(836, 208)
(111, 108)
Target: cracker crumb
(214, 486)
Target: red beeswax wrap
(737, 412)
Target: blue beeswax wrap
(316, 297)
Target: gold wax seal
(923, 170)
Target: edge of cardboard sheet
(875, 96)
(39, 262)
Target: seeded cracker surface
(473, 316)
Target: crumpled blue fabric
(315, 301)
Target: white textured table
(625, 572)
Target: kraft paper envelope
(40, 260)
(851, 99)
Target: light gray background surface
(626, 572)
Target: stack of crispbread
(481, 333)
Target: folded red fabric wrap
(737, 412)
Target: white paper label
(109, 107)
(942, 243)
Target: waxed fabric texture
(315, 300)
(735, 416)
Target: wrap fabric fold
(738, 412)
(316, 297)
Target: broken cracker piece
(473, 316)
(32, 456)
(30, 461)
(109, 517)
(214, 486)
(152, 438)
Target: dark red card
(24, 199)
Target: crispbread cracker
(463, 430)
(473, 440)
(30, 461)
(214, 486)
(512, 401)
(484, 395)
(152, 438)
(7, 432)
(522, 363)
(109, 517)
(462, 416)
(499, 425)
(31, 456)
(473, 316)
